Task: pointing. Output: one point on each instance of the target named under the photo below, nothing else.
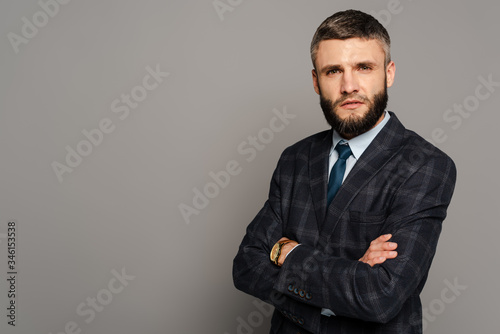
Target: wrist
(286, 249)
(277, 252)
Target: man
(346, 239)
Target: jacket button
(309, 296)
(301, 321)
(296, 291)
(290, 287)
(302, 293)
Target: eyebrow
(330, 67)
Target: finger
(381, 259)
(385, 254)
(381, 239)
(384, 246)
(370, 256)
(389, 246)
(385, 237)
(390, 254)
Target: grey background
(120, 207)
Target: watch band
(276, 256)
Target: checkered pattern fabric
(400, 185)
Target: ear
(315, 81)
(390, 73)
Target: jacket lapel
(318, 174)
(377, 154)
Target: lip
(351, 104)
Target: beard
(354, 125)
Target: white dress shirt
(357, 144)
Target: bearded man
(346, 238)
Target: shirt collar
(359, 143)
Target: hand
(380, 250)
(286, 249)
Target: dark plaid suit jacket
(400, 185)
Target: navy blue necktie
(338, 170)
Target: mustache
(353, 96)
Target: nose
(349, 83)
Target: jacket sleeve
(255, 274)
(354, 289)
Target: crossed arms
(372, 288)
(380, 250)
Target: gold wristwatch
(276, 251)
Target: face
(352, 82)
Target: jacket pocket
(357, 230)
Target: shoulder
(421, 154)
(323, 138)
(310, 150)
(410, 142)
(415, 143)
(413, 155)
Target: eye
(365, 68)
(333, 71)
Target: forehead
(349, 51)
